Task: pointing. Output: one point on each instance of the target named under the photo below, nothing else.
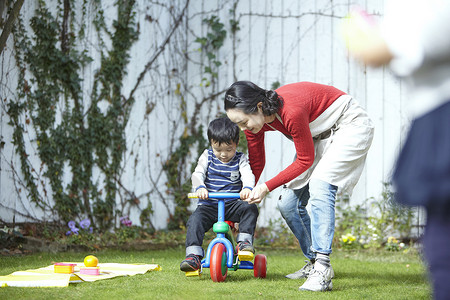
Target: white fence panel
(279, 41)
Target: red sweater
(303, 102)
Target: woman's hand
(258, 194)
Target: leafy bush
(372, 227)
(10, 237)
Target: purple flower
(71, 224)
(73, 228)
(73, 231)
(125, 221)
(84, 224)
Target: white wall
(281, 40)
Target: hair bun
(271, 95)
(271, 102)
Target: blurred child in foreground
(414, 40)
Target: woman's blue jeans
(314, 232)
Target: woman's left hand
(258, 194)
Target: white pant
(341, 154)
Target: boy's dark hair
(222, 130)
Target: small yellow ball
(90, 261)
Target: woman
(331, 134)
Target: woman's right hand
(258, 193)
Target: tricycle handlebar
(217, 195)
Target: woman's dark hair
(222, 130)
(246, 95)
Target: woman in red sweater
(331, 134)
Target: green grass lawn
(358, 275)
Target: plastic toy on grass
(64, 268)
(90, 270)
(222, 254)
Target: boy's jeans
(314, 232)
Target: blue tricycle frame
(222, 254)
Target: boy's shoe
(303, 272)
(191, 263)
(246, 246)
(318, 281)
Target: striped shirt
(217, 176)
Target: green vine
(72, 135)
(210, 45)
(177, 185)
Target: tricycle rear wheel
(260, 266)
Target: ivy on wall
(72, 135)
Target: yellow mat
(46, 277)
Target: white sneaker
(318, 281)
(332, 272)
(303, 272)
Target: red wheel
(260, 266)
(218, 264)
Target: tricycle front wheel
(218, 265)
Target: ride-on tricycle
(222, 254)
